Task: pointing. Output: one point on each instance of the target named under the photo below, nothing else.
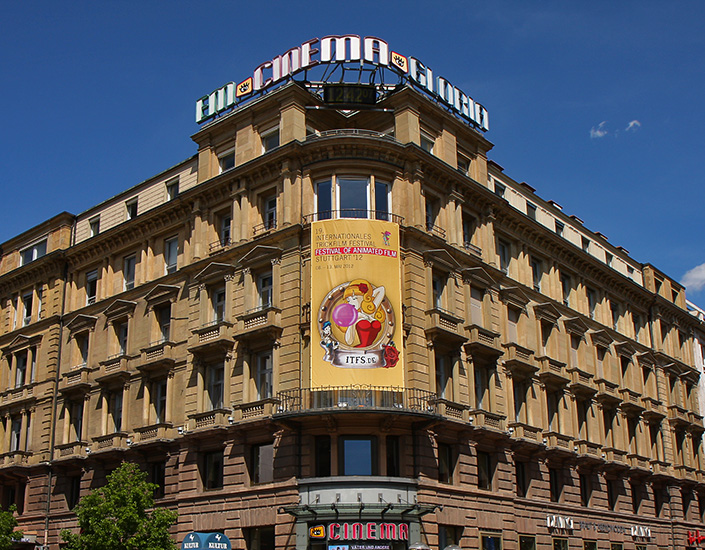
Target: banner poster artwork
(356, 300)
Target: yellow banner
(356, 304)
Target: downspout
(52, 434)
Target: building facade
(544, 393)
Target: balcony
(113, 369)
(351, 398)
(154, 433)
(75, 449)
(444, 325)
(631, 401)
(607, 392)
(256, 409)
(552, 371)
(472, 249)
(581, 382)
(435, 230)
(212, 336)
(653, 409)
(157, 357)
(696, 421)
(519, 360)
(588, 451)
(452, 410)
(639, 464)
(18, 396)
(262, 322)
(678, 416)
(486, 420)
(483, 342)
(117, 441)
(558, 442)
(217, 246)
(660, 468)
(525, 434)
(15, 458)
(353, 213)
(616, 458)
(685, 473)
(209, 420)
(76, 381)
(264, 228)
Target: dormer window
(33, 252)
(270, 139)
(131, 209)
(226, 161)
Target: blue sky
(99, 96)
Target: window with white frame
(129, 264)
(131, 209)
(270, 212)
(115, 410)
(121, 336)
(226, 160)
(352, 197)
(215, 381)
(217, 296)
(172, 189)
(263, 374)
(270, 139)
(33, 252)
(94, 226)
(224, 231)
(171, 252)
(264, 289)
(27, 301)
(159, 400)
(163, 315)
(91, 286)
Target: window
(560, 544)
(322, 456)
(590, 545)
(559, 228)
(224, 232)
(427, 142)
(491, 542)
(75, 410)
(260, 538)
(172, 190)
(527, 542)
(157, 475)
(218, 304)
(615, 546)
(608, 258)
(171, 251)
(485, 470)
(499, 189)
(324, 200)
(212, 470)
(353, 200)
(433, 209)
(513, 316)
(94, 226)
(476, 301)
(262, 463)
(448, 534)
(531, 210)
(270, 139)
(358, 456)
(33, 252)
(27, 300)
(381, 206)
(522, 479)
(393, 456)
(554, 399)
(592, 301)
(614, 312)
(469, 227)
(40, 302)
(21, 369)
(159, 400)
(121, 335)
(446, 464)
(444, 376)
(263, 374)
(73, 491)
(270, 212)
(163, 314)
(264, 289)
(352, 197)
(482, 377)
(438, 284)
(611, 493)
(115, 410)
(15, 433)
(91, 287)
(566, 288)
(585, 244)
(128, 271)
(463, 164)
(504, 253)
(226, 161)
(636, 321)
(555, 484)
(131, 209)
(585, 489)
(214, 386)
(536, 273)
(82, 341)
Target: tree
(8, 534)
(116, 517)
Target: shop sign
(560, 522)
(641, 531)
(347, 48)
(206, 541)
(694, 537)
(360, 531)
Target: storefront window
(590, 545)
(560, 544)
(527, 543)
(357, 456)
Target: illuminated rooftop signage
(348, 48)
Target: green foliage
(115, 517)
(8, 534)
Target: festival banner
(356, 304)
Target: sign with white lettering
(559, 522)
(349, 48)
(206, 541)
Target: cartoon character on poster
(356, 322)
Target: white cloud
(598, 132)
(694, 279)
(634, 125)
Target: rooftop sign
(332, 50)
